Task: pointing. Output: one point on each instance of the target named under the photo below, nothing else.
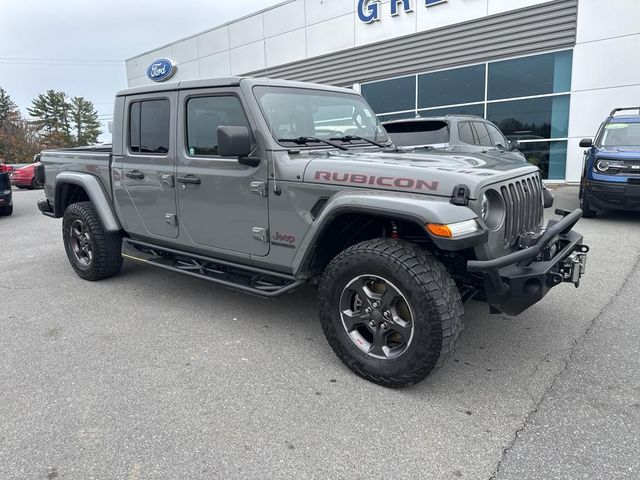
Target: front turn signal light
(452, 230)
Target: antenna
(274, 174)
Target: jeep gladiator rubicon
(264, 185)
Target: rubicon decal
(382, 181)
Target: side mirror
(236, 142)
(514, 144)
(586, 143)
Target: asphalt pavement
(152, 375)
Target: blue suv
(611, 174)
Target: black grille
(523, 204)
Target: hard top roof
(225, 82)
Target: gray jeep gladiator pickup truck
(263, 186)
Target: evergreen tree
(84, 120)
(51, 113)
(8, 109)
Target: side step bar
(256, 281)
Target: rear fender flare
(96, 194)
(420, 209)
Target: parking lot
(154, 375)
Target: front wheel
(93, 253)
(390, 311)
(587, 210)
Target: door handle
(190, 179)
(136, 174)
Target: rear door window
(149, 122)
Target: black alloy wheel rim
(377, 317)
(80, 242)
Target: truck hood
(432, 173)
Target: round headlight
(602, 165)
(492, 209)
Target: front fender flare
(420, 209)
(96, 194)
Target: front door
(222, 205)
(148, 166)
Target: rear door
(223, 205)
(148, 166)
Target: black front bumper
(516, 281)
(614, 195)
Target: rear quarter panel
(94, 163)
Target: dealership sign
(161, 69)
(369, 10)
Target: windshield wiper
(349, 138)
(305, 140)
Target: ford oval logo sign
(161, 69)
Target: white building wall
(300, 29)
(606, 71)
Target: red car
(24, 177)
(4, 168)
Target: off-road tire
(106, 247)
(432, 296)
(587, 210)
(6, 210)
(34, 184)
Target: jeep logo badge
(161, 69)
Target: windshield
(414, 133)
(621, 135)
(294, 113)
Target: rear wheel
(93, 253)
(390, 311)
(6, 210)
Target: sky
(79, 46)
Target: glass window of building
(527, 98)
(397, 116)
(533, 118)
(477, 110)
(529, 76)
(451, 87)
(392, 95)
(549, 157)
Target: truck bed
(94, 160)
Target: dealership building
(546, 72)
